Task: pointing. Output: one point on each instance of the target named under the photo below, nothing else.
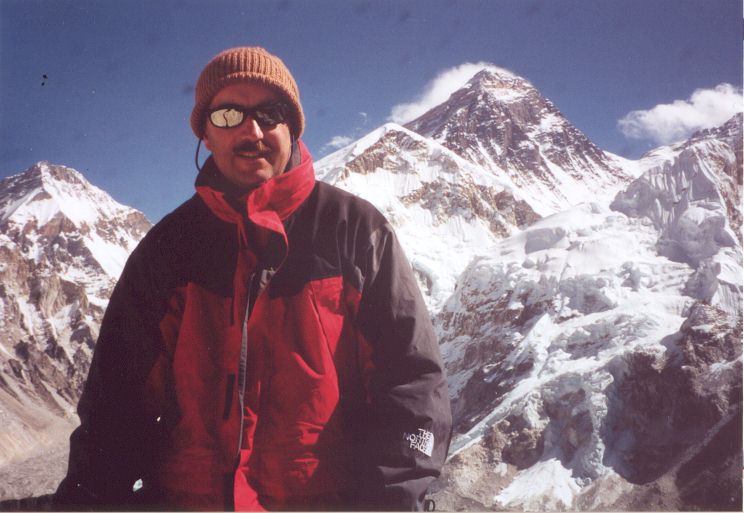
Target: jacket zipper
(242, 364)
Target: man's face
(249, 154)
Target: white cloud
(336, 142)
(339, 141)
(676, 121)
(437, 91)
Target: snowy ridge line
(329, 167)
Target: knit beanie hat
(249, 64)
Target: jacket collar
(267, 205)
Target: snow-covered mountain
(501, 122)
(594, 354)
(63, 244)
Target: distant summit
(501, 122)
(60, 195)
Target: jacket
(271, 351)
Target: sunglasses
(267, 115)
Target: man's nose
(252, 129)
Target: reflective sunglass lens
(226, 118)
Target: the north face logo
(422, 442)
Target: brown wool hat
(246, 64)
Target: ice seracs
(599, 350)
(694, 200)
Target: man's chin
(252, 178)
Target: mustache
(251, 147)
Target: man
(266, 346)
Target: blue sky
(106, 87)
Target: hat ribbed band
(246, 64)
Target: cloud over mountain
(336, 142)
(437, 91)
(671, 122)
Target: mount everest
(588, 307)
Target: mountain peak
(45, 190)
(51, 174)
(46, 199)
(491, 72)
(45, 173)
(42, 180)
(492, 78)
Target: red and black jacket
(271, 351)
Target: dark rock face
(671, 417)
(399, 153)
(488, 319)
(499, 209)
(731, 173)
(519, 443)
(384, 154)
(711, 479)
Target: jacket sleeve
(109, 450)
(408, 419)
